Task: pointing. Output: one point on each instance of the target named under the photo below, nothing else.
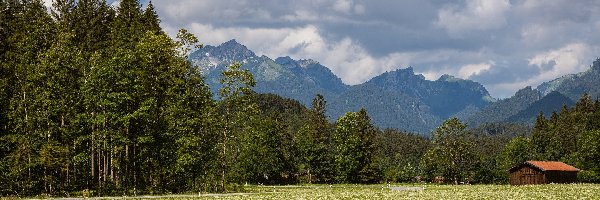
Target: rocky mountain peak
(233, 51)
(287, 62)
(232, 44)
(449, 78)
(304, 63)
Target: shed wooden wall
(561, 177)
(526, 175)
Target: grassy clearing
(553, 191)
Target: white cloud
(569, 59)
(359, 9)
(435, 74)
(344, 6)
(572, 58)
(351, 62)
(469, 70)
(301, 15)
(48, 3)
(348, 7)
(460, 39)
(477, 15)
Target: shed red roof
(552, 166)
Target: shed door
(530, 176)
(532, 179)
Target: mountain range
(548, 97)
(397, 99)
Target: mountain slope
(550, 96)
(300, 80)
(575, 85)
(446, 96)
(404, 100)
(552, 102)
(388, 109)
(503, 109)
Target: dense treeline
(95, 97)
(97, 100)
(571, 135)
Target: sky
(505, 45)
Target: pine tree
(540, 136)
(91, 25)
(150, 19)
(31, 33)
(128, 24)
(313, 141)
(56, 90)
(192, 118)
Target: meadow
(551, 191)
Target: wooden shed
(542, 172)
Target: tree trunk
(93, 150)
(224, 161)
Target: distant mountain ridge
(299, 80)
(548, 97)
(397, 99)
(575, 85)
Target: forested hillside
(397, 99)
(548, 97)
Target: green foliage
(589, 152)
(398, 155)
(570, 136)
(313, 142)
(453, 155)
(239, 113)
(100, 100)
(354, 154)
(517, 151)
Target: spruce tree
(31, 34)
(151, 20)
(313, 141)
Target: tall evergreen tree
(57, 89)
(31, 34)
(151, 21)
(540, 136)
(128, 26)
(313, 141)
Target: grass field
(552, 191)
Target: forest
(100, 100)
